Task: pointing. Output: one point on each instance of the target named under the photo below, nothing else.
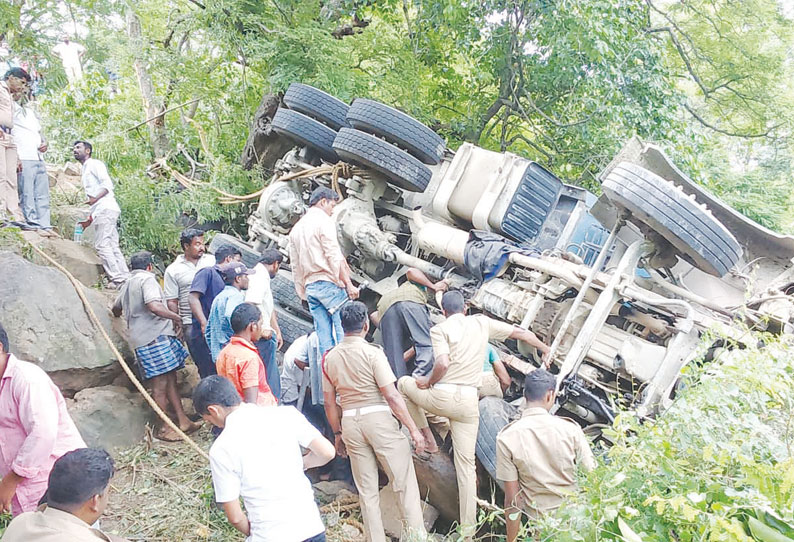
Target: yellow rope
(78, 286)
(337, 171)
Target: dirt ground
(163, 492)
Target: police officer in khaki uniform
(459, 347)
(360, 374)
(14, 81)
(537, 455)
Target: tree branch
(710, 126)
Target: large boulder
(47, 325)
(390, 512)
(438, 484)
(80, 260)
(64, 218)
(110, 417)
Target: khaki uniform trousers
(464, 419)
(490, 386)
(375, 438)
(9, 194)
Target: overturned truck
(623, 286)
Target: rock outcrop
(110, 417)
(47, 325)
(80, 260)
(390, 512)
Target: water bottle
(78, 232)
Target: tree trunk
(152, 105)
(264, 146)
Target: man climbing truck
(622, 286)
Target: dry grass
(163, 492)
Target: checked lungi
(162, 355)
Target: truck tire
(699, 237)
(399, 167)
(292, 326)
(307, 132)
(317, 104)
(285, 296)
(495, 413)
(396, 127)
(250, 256)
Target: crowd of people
(25, 184)
(335, 396)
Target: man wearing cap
(450, 390)
(538, 454)
(207, 284)
(14, 82)
(321, 274)
(219, 323)
(368, 431)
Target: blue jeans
(325, 299)
(267, 351)
(316, 538)
(34, 193)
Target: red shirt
(239, 361)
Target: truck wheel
(495, 413)
(306, 131)
(285, 296)
(250, 256)
(317, 104)
(699, 237)
(292, 326)
(398, 166)
(398, 128)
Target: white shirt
(177, 280)
(95, 177)
(27, 133)
(258, 457)
(69, 53)
(260, 294)
(293, 379)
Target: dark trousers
(267, 351)
(404, 325)
(199, 351)
(316, 538)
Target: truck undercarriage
(623, 286)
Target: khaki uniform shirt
(541, 452)
(357, 370)
(6, 109)
(314, 251)
(465, 340)
(408, 291)
(52, 525)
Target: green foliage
(718, 457)
(564, 83)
